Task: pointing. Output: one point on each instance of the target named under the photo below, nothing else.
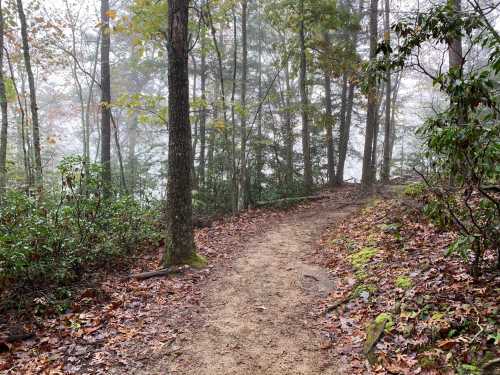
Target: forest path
(256, 315)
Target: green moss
(362, 257)
(370, 288)
(403, 282)
(360, 275)
(196, 260)
(387, 318)
(414, 190)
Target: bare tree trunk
(180, 247)
(343, 130)
(288, 128)
(348, 87)
(455, 54)
(203, 112)
(306, 148)
(329, 132)
(3, 105)
(259, 160)
(196, 122)
(234, 177)
(386, 166)
(33, 103)
(371, 116)
(243, 196)
(105, 100)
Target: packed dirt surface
(257, 314)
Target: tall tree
(371, 115)
(306, 136)
(243, 191)
(105, 99)
(203, 110)
(329, 132)
(348, 86)
(3, 105)
(386, 165)
(455, 55)
(180, 247)
(33, 102)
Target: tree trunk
(288, 129)
(371, 116)
(33, 103)
(329, 131)
(180, 247)
(3, 105)
(306, 136)
(105, 100)
(348, 87)
(259, 160)
(234, 179)
(455, 55)
(386, 166)
(344, 130)
(203, 111)
(243, 196)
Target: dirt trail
(256, 316)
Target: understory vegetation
(406, 297)
(55, 238)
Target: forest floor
(286, 292)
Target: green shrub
(54, 238)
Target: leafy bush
(54, 238)
(462, 141)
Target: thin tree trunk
(180, 247)
(33, 103)
(329, 132)
(105, 100)
(259, 160)
(234, 182)
(306, 136)
(3, 105)
(344, 130)
(288, 129)
(348, 87)
(371, 116)
(386, 166)
(243, 196)
(203, 111)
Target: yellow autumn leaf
(111, 14)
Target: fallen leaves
(444, 321)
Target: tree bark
(306, 136)
(33, 102)
(180, 247)
(386, 166)
(329, 130)
(371, 116)
(105, 100)
(203, 111)
(243, 191)
(3, 105)
(288, 129)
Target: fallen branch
(161, 272)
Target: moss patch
(403, 282)
(362, 257)
(387, 318)
(196, 260)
